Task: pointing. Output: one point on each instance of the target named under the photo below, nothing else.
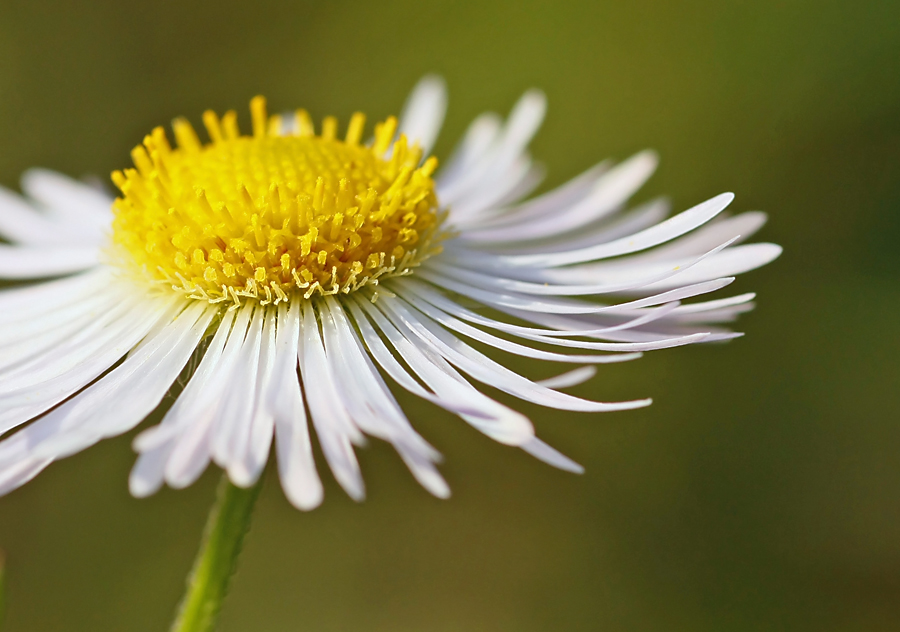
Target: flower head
(262, 216)
(301, 269)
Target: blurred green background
(762, 489)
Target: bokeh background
(762, 489)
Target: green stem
(216, 560)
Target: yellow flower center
(277, 214)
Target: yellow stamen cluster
(275, 215)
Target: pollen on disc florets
(275, 215)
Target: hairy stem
(207, 585)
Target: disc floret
(278, 214)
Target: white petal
(296, 465)
(730, 262)
(725, 315)
(551, 456)
(610, 192)
(370, 402)
(208, 375)
(20, 222)
(360, 385)
(236, 413)
(122, 398)
(517, 176)
(22, 303)
(333, 424)
(38, 336)
(563, 196)
(486, 370)
(693, 308)
(647, 339)
(197, 409)
(563, 305)
(523, 122)
(32, 393)
(424, 111)
(396, 371)
(565, 281)
(499, 343)
(570, 378)
(37, 262)
(572, 326)
(481, 135)
(74, 202)
(246, 471)
(495, 420)
(637, 219)
(440, 301)
(146, 476)
(514, 189)
(13, 477)
(717, 231)
(682, 223)
(112, 405)
(33, 373)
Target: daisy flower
(281, 278)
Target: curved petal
(423, 113)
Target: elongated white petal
(334, 426)
(198, 413)
(207, 376)
(486, 370)
(517, 176)
(357, 375)
(296, 465)
(395, 370)
(440, 301)
(75, 203)
(476, 334)
(729, 262)
(21, 222)
(719, 230)
(43, 335)
(498, 157)
(25, 302)
(608, 193)
(156, 444)
(37, 391)
(704, 306)
(14, 476)
(620, 225)
(127, 394)
(78, 351)
(370, 402)
(481, 135)
(570, 378)
(111, 406)
(563, 196)
(681, 224)
(515, 189)
(245, 424)
(655, 336)
(236, 413)
(563, 305)
(424, 111)
(33, 262)
(540, 450)
(251, 457)
(496, 421)
(565, 282)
